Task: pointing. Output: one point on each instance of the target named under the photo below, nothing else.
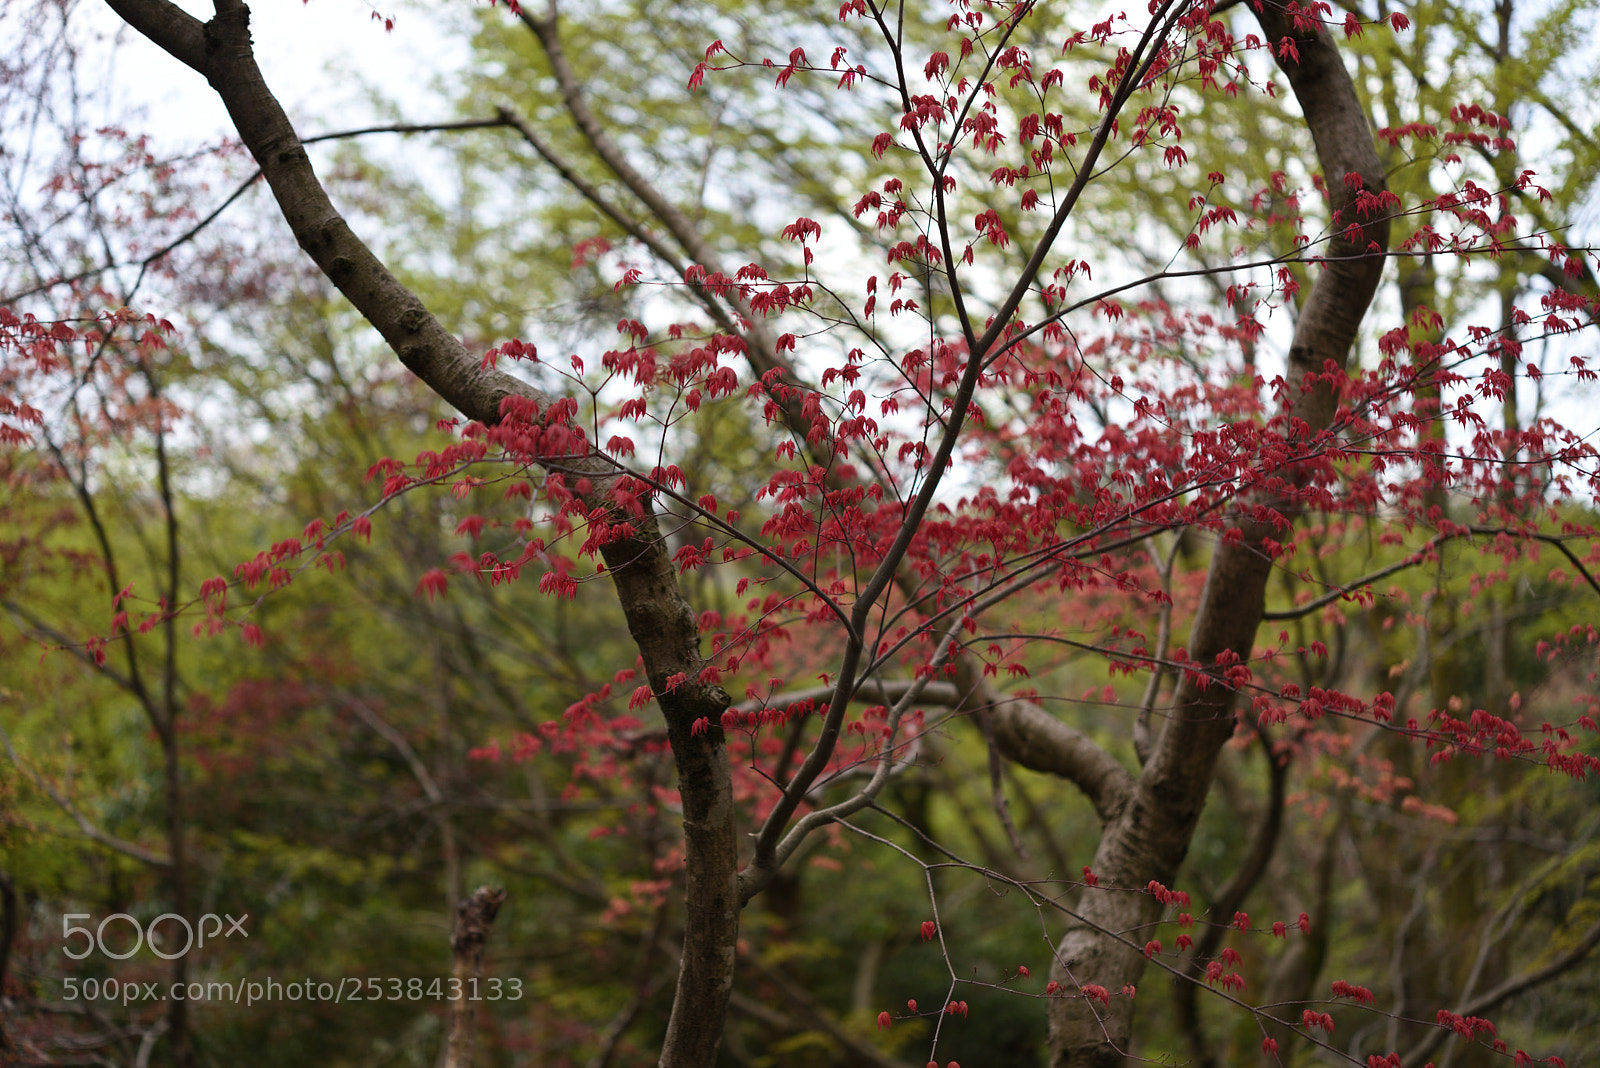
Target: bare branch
(765, 865)
(90, 831)
(589, 190)
(547, 30)
(419, 770)
(194, 231)
(645, 987)
(819, 1018)
(1141, 725)
(1511, 988)
(42, 630)
(1227, 901)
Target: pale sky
(323, 58)
(319, 58)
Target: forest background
(256, 663)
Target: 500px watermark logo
(95, 938)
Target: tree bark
(8, 936)
(474, 916)
(1149, 837)
(660, 619)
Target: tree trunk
(1149, 837)
(662, 623)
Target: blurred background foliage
(383, 752)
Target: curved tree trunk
(1149, 836)
(659, 618)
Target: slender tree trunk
(662, 623)
(178, 880)
(8, 936)
(1148, 838)
(474, 916)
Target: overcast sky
(319, 58)
(324, 59)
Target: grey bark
(474, 916)
(1147, 837)
(659, 618)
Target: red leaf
(434, 584)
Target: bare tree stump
(474, 916)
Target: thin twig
(90, 831)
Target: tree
(1046, 467)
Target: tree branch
(1150, 836)
(194, 231)
(660, 619)
(768, 859)
(820, 1019)
(1343, 591)
(547, 30)
(1028, 735)
(1142, 739)
(1509, 989)
(1226, 902)
(90, 831)
(8, 937)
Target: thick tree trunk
(1149, 837)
